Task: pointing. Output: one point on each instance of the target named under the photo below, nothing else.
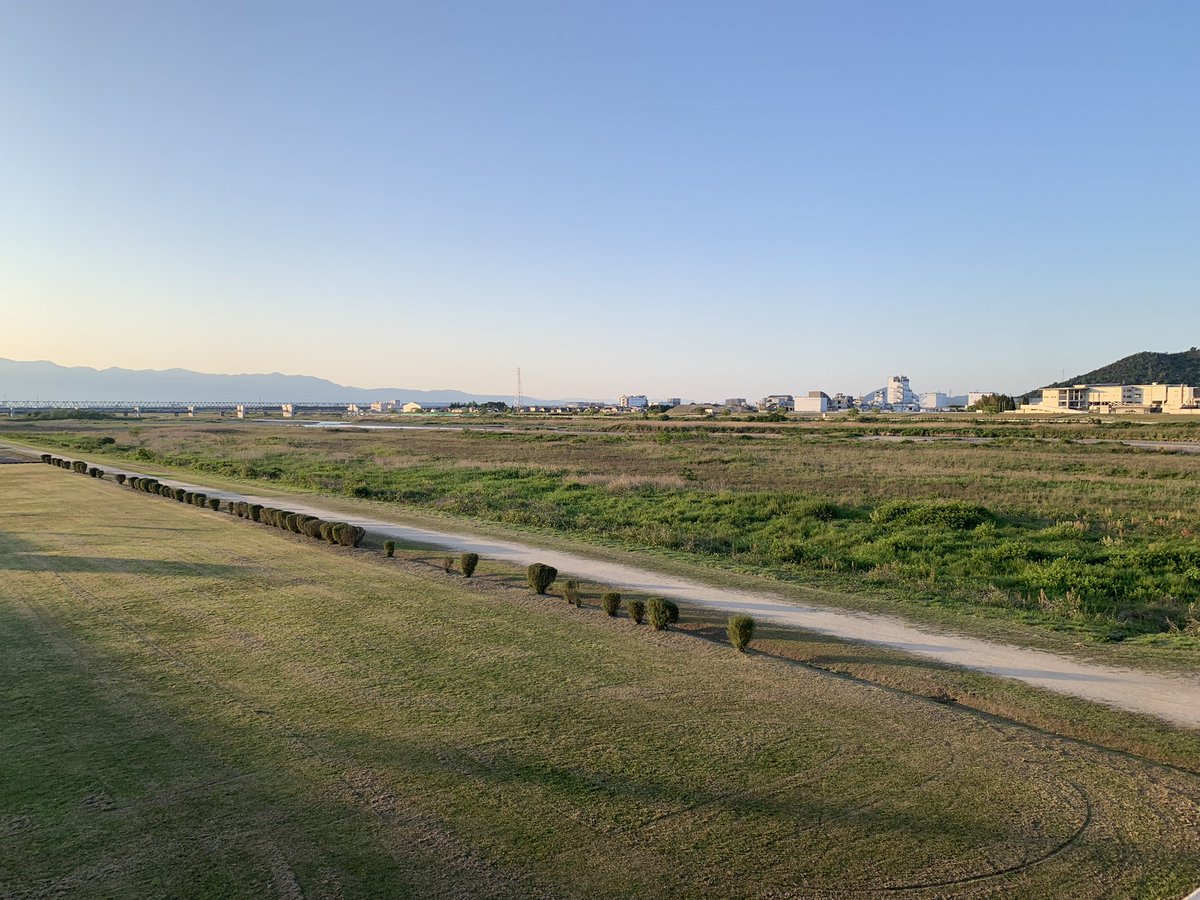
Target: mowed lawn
(193, 705)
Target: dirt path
(1173, 698)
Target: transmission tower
(518, 400)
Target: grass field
(1016, 522)
(194, 705)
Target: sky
(680, 199)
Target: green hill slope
(1144, 368)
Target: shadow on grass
(36, 562)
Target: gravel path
(1174, 698)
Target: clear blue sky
(690, 198)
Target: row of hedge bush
(334, 532)
(659, 611)
(73, 465)
(299, 523)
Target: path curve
(1174, 698)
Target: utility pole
(518, 400)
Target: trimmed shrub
(467, 562)
(610, 602)
(266, 515)
(571, 591)
(254, 510)
(199, 499)
(46, 457)
(99, 473)
(80, 466)
(93, 471)
(348, 535)
(312, 527)
(214, 503)
(289, 522)
(448, 564)
(672, 611)
(657, 613)
(120, 476)
(741, 631)
(389, 548)
(540, 577)
(327, 531)
(637, 611)
(188, 496)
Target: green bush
(658, 613)
(214, 503)
(188, 496)
(312, 527)
(199, 499)
(467, 562)
(945, 514)
(93, 471)
(610, 602)
(637, 611)
(821, 510)
(327, 531)
(672, 611)
(254, 510)
(447, 564)
(46, 457)
(348, 535)
(540, 577)
(289, 522)
(741, 631)
(571, 591)
(120, 478)
(389, 548)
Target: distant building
(734, 402)
(935, 400)
(815, 402)
(897, 396)
(777, 403)
(411, 407)
(633, 401)
(841, 401)
(669, 402)
(1119, 398)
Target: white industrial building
(897, 395)
(815, 402)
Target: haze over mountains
(43, 380)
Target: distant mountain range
(1144, 368)
(44, 380)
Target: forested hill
(1144, 368)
